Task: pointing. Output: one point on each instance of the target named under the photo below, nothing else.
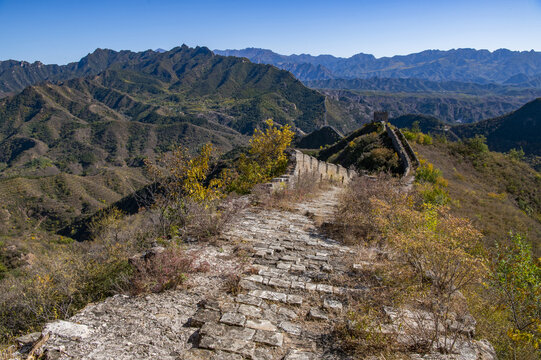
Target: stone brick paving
(285, 309)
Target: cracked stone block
(276, 248)
(247, 299)
(316, 258)
(248, 285)
(297, 285)
(311, 286)
(324, 288)
(322, 254)
(217, 330)
(317, 314)
(269, 295)
(283, 265)
(294, 299)
(289, 258)
(299, 355)
(250, 310)
(269, 338)
(233, 318)
(202, 316)
(277, 282)
(290, 314)
(255, 278)
(261, 325)
(332, 304)
(298, 267)
(262, 353)
(242, 347)
(290, 328)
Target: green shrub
(476, 145)
(516, 275)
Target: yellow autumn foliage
(266, 158)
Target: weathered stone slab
(248, 299)
(281, 283)
(263, 353)
(324, 288)
(202, 316)
(269, 338)
(295, 267)
(290, 258)
(242, 347)
(261, 325)
(299, 355)
(221, 330)
(67, 329)
(291, 328)
(250, 310)
(311, 286)
(332, 304)
(288, 313)
(317, 314)
(283, 265)
(255, 278)
(233, 318)
(269, 295)
(294, 299)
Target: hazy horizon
(60, 31)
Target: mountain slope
(519, 129)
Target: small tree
(515, 154)
(182, 180)
(516, 275)
(266, 158)
(477, 145)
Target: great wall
(295, 284)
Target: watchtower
(381, 116)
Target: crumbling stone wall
(403, 149)
(302, 165)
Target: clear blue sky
(58, 31)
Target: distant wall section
(301, 165)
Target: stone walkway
(285, 306)
(292, 289)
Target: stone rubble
(286, 307)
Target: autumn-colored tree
(444, 255)
(266, 157)
(516, 275)
(182, 180)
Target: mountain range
(145, 102)
(519, 68)
(519, 129)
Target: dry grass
(496, 193)
(65, 275)
(354, 223)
